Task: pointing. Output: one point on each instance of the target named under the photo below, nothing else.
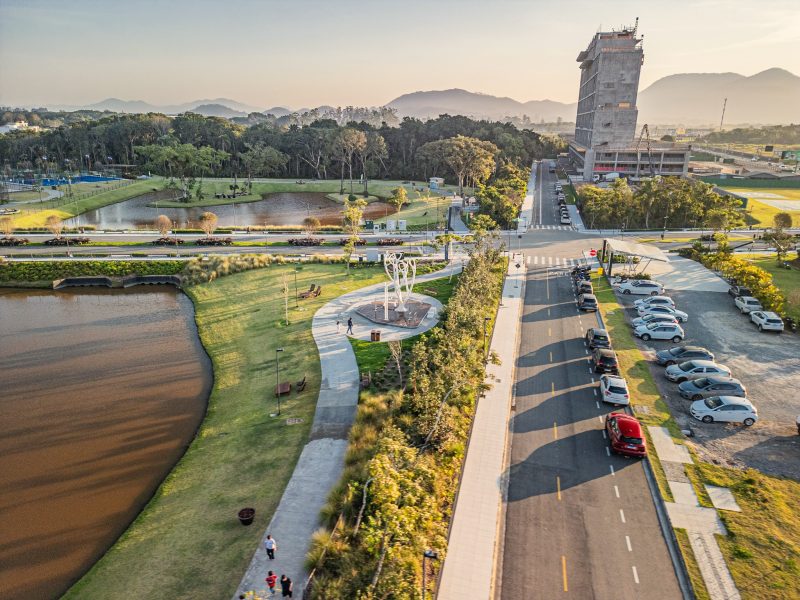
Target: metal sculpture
(403, 273)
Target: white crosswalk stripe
(553, 261)
(554, 227)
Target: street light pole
(428, 554)
(278, 378)
(485, 339)
(295, 288)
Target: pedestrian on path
(350, 326)
(338, 326)
(271, 580)
(286, 586)
(270, 546)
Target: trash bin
(375, 335)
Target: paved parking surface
(769, 366)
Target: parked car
(660, 331)
(745, 304)
(725, 409)
(705, 387)
(604, 360)
(739, 290)
(642, 287)
(653, 319)
(680, 316)
(565, 220)
(614, 390)
(597, 338)
(767, 321)
(678, 354)
(695, 369)
(587, 302)
(625, 435)
(584, 287)
(654, 301)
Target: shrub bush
(50, 271)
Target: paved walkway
(468, 570)
(322, 459)
(701, 523)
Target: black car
(739, 290)
(584, 287)
(679, 354)
(604, 360)
(587, 302)
(597, 338)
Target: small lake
(102, 390)
(286, 208)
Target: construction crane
(645, 134)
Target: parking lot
(767, 363)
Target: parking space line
(604, 434)
(635, 574)
(628, 543)
(611, 467)
(597, 404)
(595, 391)
(622, 515)
(600, 418)
(616, 489)
(608, 453)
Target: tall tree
(346, 144)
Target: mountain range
(768, 97)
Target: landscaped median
(762, 549)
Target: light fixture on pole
(278, 378)
(427, 555)
(485, 339)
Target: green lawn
(763, 550)
(788, 280)
(760, 214)
(36, 214)
(187, 543)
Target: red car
(625, 434)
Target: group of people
(349, 326)
(271, 546)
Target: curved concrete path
(322, 460)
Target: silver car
(653, 319)
(705, 387)
(695, 369)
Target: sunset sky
(302, 53)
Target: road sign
(592, 252)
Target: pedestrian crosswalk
(552, 261)
(554, 227)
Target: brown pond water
(100, 393)
(289, 208)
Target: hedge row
(50, 271)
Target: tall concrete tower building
(610, 68)
(605, 127)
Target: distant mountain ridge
(769, 97)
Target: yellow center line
(564, 572)
(558, 487)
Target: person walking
(286, 587)
(270, 545)
(338, 326)
(271, 580)
(350, 326)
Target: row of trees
(774, 134)
(321, 149)
(658, 202)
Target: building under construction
(605, 127)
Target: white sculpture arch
(403, 273)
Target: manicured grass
(21, 196)
(420, 210)
(760, 214)
(35, 216)
(787, 280)
(762, 549)
(188, 543)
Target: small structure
(436, 183)
(635, 255)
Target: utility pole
(722, 119)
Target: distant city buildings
(18, 126)
(605, 126)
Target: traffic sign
(592, 252)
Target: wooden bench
(317, 292)
(309, 293)
(301, 385)
(283, 388)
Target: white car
(565, 220)
(767, 321)
(654, 301)
(694, 369)
(654, 318)
(614, 390)
(726, 409)
(660, 331)
(641, 287)
(746, 304)
(680, 316)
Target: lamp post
(665, 227)
(295, 288)
(485, 339)
(427, 555)
(278, 378)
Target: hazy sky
(300, 53)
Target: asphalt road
(579, 521)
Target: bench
(301, 385)
(316, 292)
(283, 388)
(309, 292)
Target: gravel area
(769, 366)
